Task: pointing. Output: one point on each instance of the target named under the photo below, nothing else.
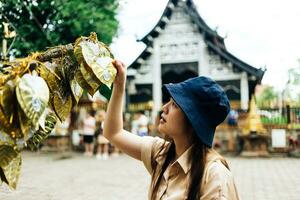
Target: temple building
(180, 46)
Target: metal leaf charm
(7, 154)
(5, 139)
(25, 123)
(82, 82)
(33, 96)
(10, 173)
(62, 106)
(50, 77)
(90, 78)
(8, 112)
(96, 56)
(106, 75)
(76, 90)
(4, 125)
(7, 98)
(42, 134)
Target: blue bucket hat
(204, 102)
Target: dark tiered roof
(214, 41)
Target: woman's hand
(120, 80)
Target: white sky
(263, 33)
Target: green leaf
(105, 91)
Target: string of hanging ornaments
(42, 88)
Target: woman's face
(173, 121)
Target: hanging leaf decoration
(42, 88)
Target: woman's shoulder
(156, 144)
(217, 179)
(153, 150)
(216, 166)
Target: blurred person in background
(142, 124)
(102, 142)
(134, 124)
(88, 128)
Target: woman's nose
(164, 108)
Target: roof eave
(258, 73)
(161, 22)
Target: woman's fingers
(119, 65)
(121, 72)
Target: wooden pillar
(244, 91)
(157, 82)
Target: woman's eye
(174, 104)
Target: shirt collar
(185, 164)
(183, 160)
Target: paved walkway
(53, 177)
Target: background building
(181, 46)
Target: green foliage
(279, 120)
(292, 90)
(267, 98)
(44, 23)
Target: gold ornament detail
(96, 58)
(42, 88)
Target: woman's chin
(160, 128)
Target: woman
(185, 167)
(89, 127)
(102, 142)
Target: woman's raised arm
(113, 123)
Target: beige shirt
(217, 182)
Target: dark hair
(169, 157)
(197, 158)
(92, 112)
(141, 112)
